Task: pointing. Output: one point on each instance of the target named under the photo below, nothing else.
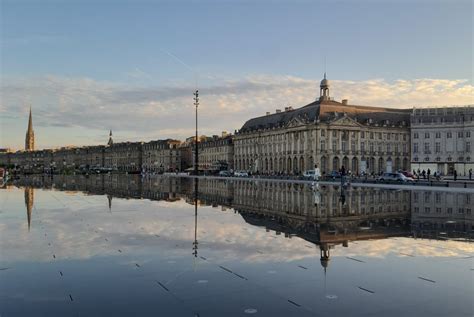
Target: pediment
(345, 121)
(294, 122)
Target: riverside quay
(325, 132)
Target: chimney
(267, 113)
(290, 108)
(345, 102)
(278, 111)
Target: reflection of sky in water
(79, 257)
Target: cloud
(146, 111)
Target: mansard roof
(326, 111)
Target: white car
(241, 174)
(309, 174)
(394, 177)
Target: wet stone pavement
(126, 246)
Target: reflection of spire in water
(109, 198)
(325, 258)
(29, 197)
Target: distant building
(442, 139)
(161, 156)
(216, 153)
(30, 135)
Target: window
(334, 145)
(427, 135)
(362, 134)
(388, 136)
(389, 147)
(334, 133)
(371, 146)
(380, 135)
(460, 134)
(371, 135)
(449, 135)
(438, 135)
(437, 147)
(415, 147)
(353, 145)
(468, 146)
(362, 146)
(468, 134)
(415, 135)
(323, 132)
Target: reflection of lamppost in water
(195, 243)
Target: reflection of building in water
(442, 214)
(367, 213)
(29, 198)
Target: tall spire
(111, 142)
(30, 135)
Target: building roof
(328, 110)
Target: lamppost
(196, 104)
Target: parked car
(334, 175)
(241, 174)
(394, 177)
(408, 174)
(225, 173)
(309, 174)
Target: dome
(324, 82)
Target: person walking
(342, 171)
(317, 174)
(455, 173)
(428, 173)
(470, 174)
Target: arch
(372, 169)
(389, 165)
(311, 163)
(405, 164)
(345, 162)
(288, 166)
(266, 164)
(302, 166)
(271, 165)
(323, 164)
(397, 164)
(355, 166)
(335, 163)
(280, 165)
(295, 165)
(380, 166)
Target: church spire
(30, 135)
(324, 89)
(111, 142)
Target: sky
(87, 67)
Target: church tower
(30, 135)
(111, 142)
(324, 89)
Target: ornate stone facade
(442, 139)
(325, 132)
(215, 153)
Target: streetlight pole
(196, 104)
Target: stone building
(325, 132)
(162, 156)
(216, 153)
(124, 156)
(442, 139)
